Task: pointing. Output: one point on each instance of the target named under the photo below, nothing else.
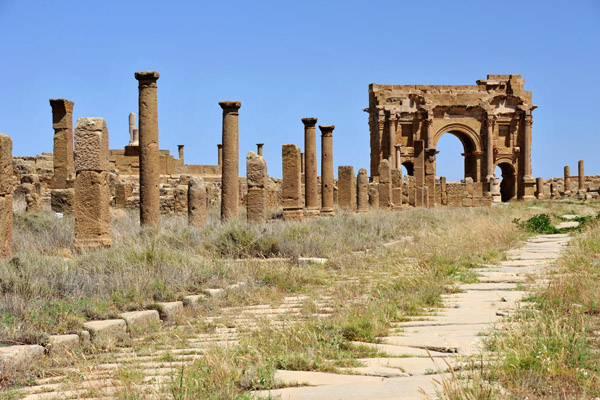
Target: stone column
(149, 156)
(259, 148)
(62, 122)
(528, 181)
(374, 196)
(385, 185)
(539, 193)
(220, 155)
(581, 177)
(346, 188)
(123, 191)
(567, 180)
(132, 127)
(92, 191)
(311, 190)
(397, 188)
(392, 136)
(180, 150)
(136, 138)
(181, 200)
(197, 202)
(230, 195)
(6, 189)
(327, 170)
(398, 157)
(429, 133)
(302, 162)
(256, 204)
(362, 187)
(489, 151)
(291, 186)
(419, 173)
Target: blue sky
(286, 60)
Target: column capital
(230, 105)
(180, 146)
(61, 105)
(326, 130)
(147, 78)
(309, 122)
(529, 120)
(219, 146)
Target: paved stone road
(404, 373)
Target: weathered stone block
(62, 345)
(33, 203)
(181, 200)
(140, 321)
(197, 202)
(346, 187)
(91, 145)
(6, 223)
(256, 205)
(62, 200)
(170, 310)
(19, 358)
(106, 331)
(256, 170)
(6, 165)
(292, 183)
(92, 210)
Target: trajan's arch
(492, 119)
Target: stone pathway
(416, 351)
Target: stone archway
(508, 187)
(410, 168)
(471, 146)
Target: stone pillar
(346, 188)
(419, 172)
(362, 187)
(180, 150)
(291, 186)
(6, 189)
(398, 164)
(302, 163)
(230, 195)
(181, 200)
(581, 177)
(489, 151)
(374, 196)
(539, 193)
(256, 204)
(327, 170)
(62, 122)
(149, 156)
(220, 155)
(259, 148)
(311, 189)
(443, 191)
(397, 188)
(122, 192)
(132, 127)
(528, 181)
(385, 185)
(567, 180)
(391, 136)
(429, 133)
(136, 138)
(197, 202)
(92, 191)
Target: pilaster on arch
(468, 132)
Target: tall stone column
(528, 181)
(429, 133)
(385, 186)
(291, 186)
(539, 183)
(230, 196)
(92, 191)
(419, 173)
(180, 150)
(311, 190)
(581, 177)
(362, 187)
(256, 200)
(398, 157)
(567, 180)
(489, 151)
(346, 187)
(259, 149)
(197, 202)
(391, 136)
(6, 189)
(327, 170)
(149, 156)
(132, 127)
(220, 155)
(62, 122)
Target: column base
(312, 212)
(83, 245)
(528, 188)
(293, 214)
(327, 212)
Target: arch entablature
(462, 132)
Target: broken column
(362, 187)
(132, 127)
(149, 156)
(62, 122)
(259, 149)
(220, 155)
(92, 191)
(567, 180)
(539, 193)
(374, 195)
(256, 203)
(346, 187)
(385, 185)
(291, 186)
(230, 195)
(6, 189)
(197, 202)
(581, 177)
(123, 191)
(327, 170)
(180, 150)
(311, 189)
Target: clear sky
(285, 60)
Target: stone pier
(346, 187)
(256, 203)
(259, 149)
(397, 188)
(220, 155)
(230, 196)
(149, 156)
(197, 202)
(385, 185)
(291, 186)
(539, 188)
(132, 127)
(6, 189)
(180, 150)
(581, 177)
(374, 195)
(567, 180)
(311, 189)
(62, 122)
(362, 187)
(419, 173)
(327, 170)
(92, 191)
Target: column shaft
(230, 196)
(311, 190)
(327, 169)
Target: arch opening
(508, 181)
(407, 168)
(453, 153)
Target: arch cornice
(466, 132)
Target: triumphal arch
(492, 119)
